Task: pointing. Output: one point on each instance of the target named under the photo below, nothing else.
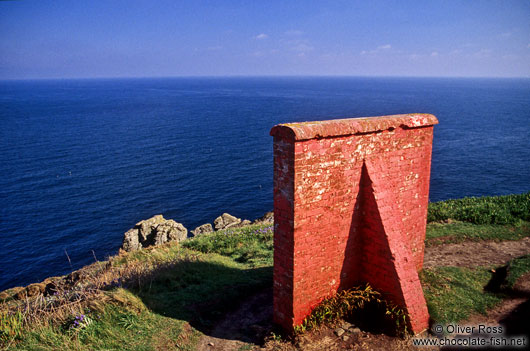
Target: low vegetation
(454, 293)
(362, 305)
(252, 245)
(157, 298)
(165, 297)
(475, 219)
(457, 232)
(510, 209)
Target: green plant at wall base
(509, 209)
(361, 304)
(10, 325)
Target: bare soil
(251, 324)
(474, 254)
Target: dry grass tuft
(92, 287)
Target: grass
(252, 245)
(157, 298)
(475, 219)
(518, 267)
(509, 209)
(457, 232)
(117, 327)
(164, 297)
(454, 293)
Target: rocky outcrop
(157, 230)
(153, 231)
(30, 291)
(268, 218)
(202, 229)
(226, 221)
(244, 223)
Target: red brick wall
(350, 206)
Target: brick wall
(350, 206)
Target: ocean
(81, 161)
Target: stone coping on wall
(350, 126)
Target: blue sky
(74, 39)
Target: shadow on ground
(515, 321)
(512, 314)
(216, 299)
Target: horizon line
(261, 76)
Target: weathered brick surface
(350, 206)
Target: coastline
(189, 285)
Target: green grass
(509, 209)
(518, 267)
(159, 291)
(454, 293)
(457, 232)
(115, 328)
(164, 297)
(252, 245)
(203, 289)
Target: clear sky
(132, 38)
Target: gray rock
(131, 241)
(267, 218)
(147, 228)
(225, 221)
(205, 228)
(346, 325)
(339, 332)
(245, 223)
(355, 330)
(170, 231)
(153, 231)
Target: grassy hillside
(165, 297)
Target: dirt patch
(473, 254)
(326, 338)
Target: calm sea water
(81, 161)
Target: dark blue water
(81, 161)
